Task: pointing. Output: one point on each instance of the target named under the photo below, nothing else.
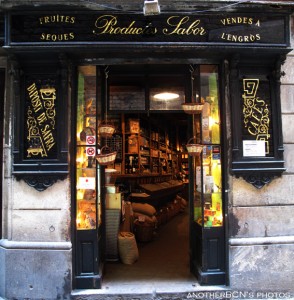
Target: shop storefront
(91, 136)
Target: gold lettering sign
(108, 24)
(255, 112)
(57, 19)
(183, 26)
(240, 38)
(40, 120)
(98, 27)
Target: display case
(207, 224)
(88, 208)
(208, 193)
(88, 180)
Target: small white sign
(86, 183)
(90, 151)
(253, 148)
(90, 140)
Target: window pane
(210, 98)
(125, 98)
(207, 166)
(86, 172)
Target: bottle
(134, 165)
(127, 166)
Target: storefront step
(167, 291)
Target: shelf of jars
(86, 197)
(208, 193)
(145, 150)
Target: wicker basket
(106, 130)
(192, 108)
(105, 157)
(193, 148)
(144, 231)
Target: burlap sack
(144, 208)
(127, 247)
(145, 218)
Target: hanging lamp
(192, 107)
(105, 129)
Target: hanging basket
(192, 108)
(194, 149)
(105, 157)
(106, 130)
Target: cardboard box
(111, 189)
(133, 145)
(134, 126)
(113, 201)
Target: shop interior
(155, 192)
(145, 137)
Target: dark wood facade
(48, 44)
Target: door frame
(87, 281)
(2, 93)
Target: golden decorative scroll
(255, 112)
(40, 120)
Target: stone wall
(35, 249)
(261, 225)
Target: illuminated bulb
(166, 96)
(79, 159)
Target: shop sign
(40, 137)
(68, 28)
(257, 144)
(40, 120)
(256, 119)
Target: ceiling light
(151, 7)
(166, 96)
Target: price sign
(253, 148)
(86, 183)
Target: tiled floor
(163, 261)
(163, 266)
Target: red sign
(90, 151)
(90, 139)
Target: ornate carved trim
(259, 180)
(42, 182)
(256, 88)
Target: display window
(207, 165)
(88, 204)
(148, 161)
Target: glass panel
(256, 117)
(197, 190)
(207, 166)
(86, 171)
(126, 98)
(210, 98)
(211, 178)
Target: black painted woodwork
(258, 170)
(40, 169)
(2, 92)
